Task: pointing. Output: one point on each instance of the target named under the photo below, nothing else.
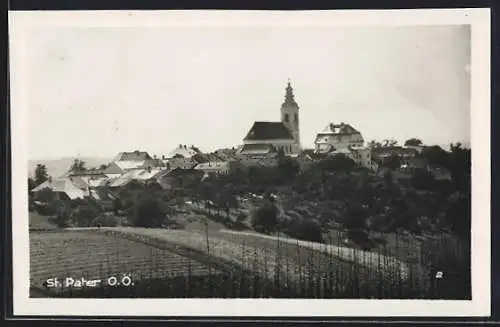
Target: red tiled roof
(263, 130)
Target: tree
(85, 214)
(387, 143)
(339, 162)
(288, 169)
(78, 166)
(265, 218)
(389, 177)
(46, 195)
(374, 144)
(62, 213)
(413, 142)
(423, 180)
(355, 221)
(41, 174)
(393, 162)
(354, 217)
(31, 184)
(103, 166)
(436, 156)
(307, 230)
(149, 213)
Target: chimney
(185, 147)
(50, 179)
(180, 146)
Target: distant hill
(58, 167)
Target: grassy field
(180, 259)
(318, 270)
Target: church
(283, 136)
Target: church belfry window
(296, 118)
(286, 118)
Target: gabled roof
(63, 185)
(79, 182)
(113, 168)
(139, 174)
(133, 156)
(263, 130)
(126, 165)
(338, 129)
(257, 149)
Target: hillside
(57, 167)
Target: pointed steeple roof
(289, 97)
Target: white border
(479, 19)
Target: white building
(337, 136)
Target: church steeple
(290, 116)
(289, 96)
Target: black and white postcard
(241, 163)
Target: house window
(286, 118)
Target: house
(126, 161)
(178, 177)
(283, 135)
(133, 156)
(414, 164)
(182, 163)
(120, 167)
(360, 155)
(183, 151)
(141, 175)
(337, 136)
(220, 167)
(363, 157)
(63, 187)
(383, 154)
(90, 178)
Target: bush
(339, 162)
(241, 217)
(265, 219)
(45, 195)
(105, 220)
(423, 180)
(307, 230)
(354, 217)
(85, 214)
(149, 213)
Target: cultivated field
(240, 264)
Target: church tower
(290, 115)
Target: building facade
(337, 136)
(284, 135)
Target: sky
(97, 91)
